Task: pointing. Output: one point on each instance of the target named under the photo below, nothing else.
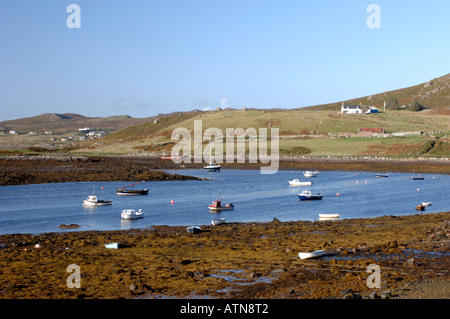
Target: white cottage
(350, 109)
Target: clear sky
(141, 58)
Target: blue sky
(141, 58)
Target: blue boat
(306, 195)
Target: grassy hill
(434, 94)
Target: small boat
(306, 195)
(417, 178)
(194, 229)
(381, 175)
(311, 173)
(219, 221)
(112, 245)
(131, 192)
(216, 206)
(329, 216)
(92, 200)
(132, 214)
(312, 254)
(212, 167)
(420, 207)
(426, 204)
(296, 182)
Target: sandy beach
(238, 260)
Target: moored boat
(307, 195)
(311, 173)
(381, 175)
(312, 254)
(131, 192)
(296, 182)
(426, 204)
(212, 167)
(420, 207)
(217, 206)
(417, 178)
(92, 201)
(132, 214)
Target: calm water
(260, 198)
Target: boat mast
(132, 184)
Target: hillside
(68, 121)
(434, 94)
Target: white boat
(217, 206)
(312, 254)
(426, 203)
(219, 221)
(132, 214)
(112, 245)
(296, 182)
(92, 200)
(212, 167)
(329, 216)
(311, 173)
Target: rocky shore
(249, 260)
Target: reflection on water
(257, 197)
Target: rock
(373, 295)
(385, 294)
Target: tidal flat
(234, 261)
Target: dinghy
(112, 245)
(194, 229)
(219, 221)
(426, 204)
(132, 214)
(324, 217)
(296, 182)
(312, 254)
(311, 173)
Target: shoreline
(22, 170)
(235, 261)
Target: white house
(350, 109)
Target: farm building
(350, 109)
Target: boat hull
(121, 192)
(312, 254)
(219, 209)
(194, 229)
(417, 178)
(381, 175)
(295, 183)
(87, 203)
(329, 216)
(215, 222)
(132, 214)
(211, 169)
(309, 197)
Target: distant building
(372, 109)
(371, 130)
(350, 109)
(12, 132)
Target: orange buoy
(337, 194)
